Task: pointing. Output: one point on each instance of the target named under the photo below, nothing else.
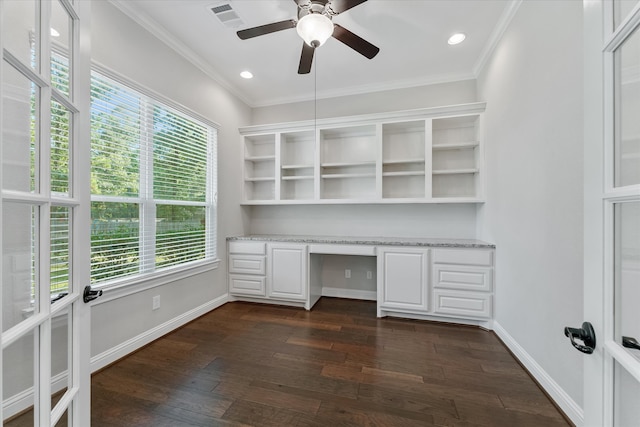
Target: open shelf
(454, 171)
(404, 173)
(455, 146)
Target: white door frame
(600, 41)
(75, 401)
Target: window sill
(125, 287)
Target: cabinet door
(287, 271)
(403, 279)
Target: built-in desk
(436, 279)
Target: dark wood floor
(337, 365)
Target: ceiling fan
(315, 26)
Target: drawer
(247, 285)
(247, 264)
(245, 247)
(329, 249)
(463, 304)
(462, 277)
(463, 256)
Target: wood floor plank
(247, 364)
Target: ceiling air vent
(226, 15)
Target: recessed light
(246, 75)
(457, 38)
(54, 33)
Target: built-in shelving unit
(456, 157)
(297, 165)
(431, 155)
(259, 167)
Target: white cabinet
(416, 156)
(275, 272)
(403, 280)
(463, 282)
(287, 271)
(247, 268)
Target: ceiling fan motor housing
(322, 7)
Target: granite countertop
(374, 241)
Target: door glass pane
(61, 37)
(60, 148)
(64, 420)
(19, 131)
(60, 236)
(627, 112)
(627, 271)
(621, 9)
(60, 352)
(626, 395)
(18, 373)
(19, 30)
(19, 250)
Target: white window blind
(153, 184)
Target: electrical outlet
(156, 302)
(347, 274)
(369, 275)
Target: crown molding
(496, 35)
(180, 48)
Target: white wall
(125, 47)
(446, 220)
(534, 212)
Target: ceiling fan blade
(355, 42)
(339, 6)
(306, 59)
(266, 29)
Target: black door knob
(89, 294)
(586, 334)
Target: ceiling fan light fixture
(315, 29)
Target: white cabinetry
(434, 283)
(463, 282)
(275, 272)
(403, 280)
(287, 271)
(247, 268)
(417, 156)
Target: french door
(612, 211)
(44, 210)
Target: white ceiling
(411, 34)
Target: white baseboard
(107, 357)
(349, 293)
(557, 393)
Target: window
(153, 184)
